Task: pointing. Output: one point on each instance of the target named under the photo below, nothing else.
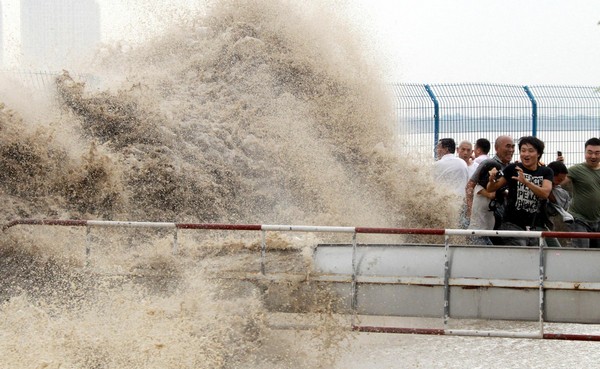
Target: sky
(447, 41)
(524, 42)
(496, 41)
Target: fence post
(88, 247)
(542, 297)
(436, 116)
(533, 110)
(263, 250)
(446, 280)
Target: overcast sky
(444, 41)
(502, 41)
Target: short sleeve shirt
(586, 192)
(523, 206)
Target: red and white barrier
(354, 231)
(299, 228)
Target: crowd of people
(499, 193)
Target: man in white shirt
(465, 152)
(481, 151)
(450, 170)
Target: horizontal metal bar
(501, 334)
(415, 281)
(60, 222)
(106, 223)
(493, 233)
(371, 230)
(447, 332)
(577, 286)
(302, 228)
(571, 337)
(570, 234)
(297, 228)
(400, 330)
(219, 226)
(476, 333)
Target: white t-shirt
(476, 163)
(481, 216)
(453, 172)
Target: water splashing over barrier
(385, 270)
(260, 111)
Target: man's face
(464, 151)
(440, 151)
(592, 156)
(529, 155)
(505, 149)
(559, 178)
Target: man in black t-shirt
(529, 185)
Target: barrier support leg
(263, 251)
(446, 280)
(175, 248)
(353, 287)
(88, 241)
(541, 285)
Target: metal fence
(39, 81)
(564, 117)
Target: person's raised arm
(494, 183)
(469, 189)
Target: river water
(258, 112)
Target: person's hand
(560, 158)
(520, 175)
(492, 174)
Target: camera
(559, 153)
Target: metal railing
(355, 279)
(40, 81)
(564, 117)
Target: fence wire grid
(564, 117)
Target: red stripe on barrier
(6, 226)
(400, 230)
(570, 234)
(61, 222)
(237, 227)
(67, 222)
(571, 337)
(372, 329)
(441, 332)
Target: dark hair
(448, 143)
(558, 167)
(533, 141)
(484, 144)
(593, 142)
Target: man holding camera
(478, 199)
(529, 184)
